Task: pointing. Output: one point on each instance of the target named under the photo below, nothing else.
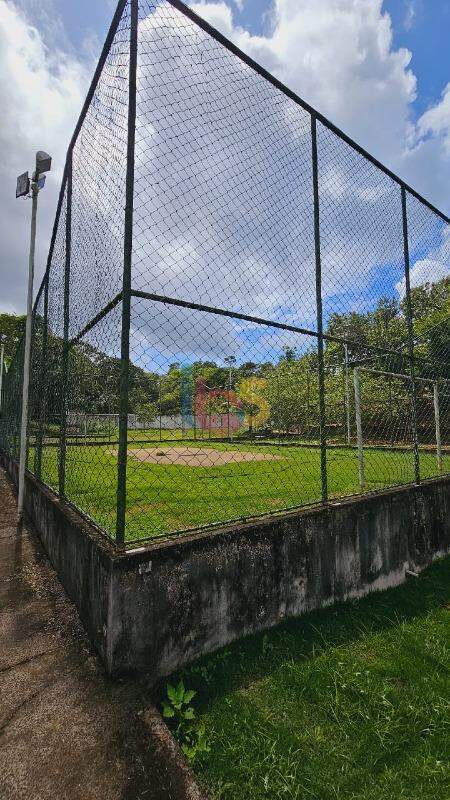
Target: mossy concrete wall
(162, 605)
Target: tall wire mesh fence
(243, 312)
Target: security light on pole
(43, 162)
(27, 188)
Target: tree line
(289, 385)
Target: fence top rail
(219, 37)
(400, 375)
(173, 301)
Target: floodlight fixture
(43, 162)
(23, 185)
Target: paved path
(66, 731)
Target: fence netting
(242, 312)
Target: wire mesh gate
(223, 263)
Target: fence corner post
(126, 283)
(410, 336)
(320, 353)
(66, 318)
(42, 386)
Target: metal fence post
(159, 410)
(126, 286)
(437, 419)
(410, 334)
(359, 432)
(321, 368)
(347, 396)
(42, 384)
(65, 348)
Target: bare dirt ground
(197, 456)
(67, 732)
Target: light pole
(23, 189)
(2, 364)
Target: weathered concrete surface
(160, 607)
(80, 555)
(180, 599)
(66, 731)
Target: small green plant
(267, 646)
(196, 742)
(177, 706)
(190, 733)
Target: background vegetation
(291, 386)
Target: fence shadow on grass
(317, 633)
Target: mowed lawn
(165, 498)
(351, 703)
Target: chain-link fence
(243, 312)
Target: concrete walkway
(66, 731)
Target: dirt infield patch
(197, 456)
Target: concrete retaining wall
(80, 555)
(163, 605)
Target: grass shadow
(254, 657)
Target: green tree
(13, 328)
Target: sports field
(181, 484)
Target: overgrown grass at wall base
(164, 499)
(350, 703)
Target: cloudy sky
(380, 70)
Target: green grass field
(350, 703)
(163, 499)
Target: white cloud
(410, 14)
(436, 121)
(429, 236)
(223, 210)
(339, 56)
(424, 271)
(426, 155)
(41, 95)
(427, 271)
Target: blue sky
(423, 27)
